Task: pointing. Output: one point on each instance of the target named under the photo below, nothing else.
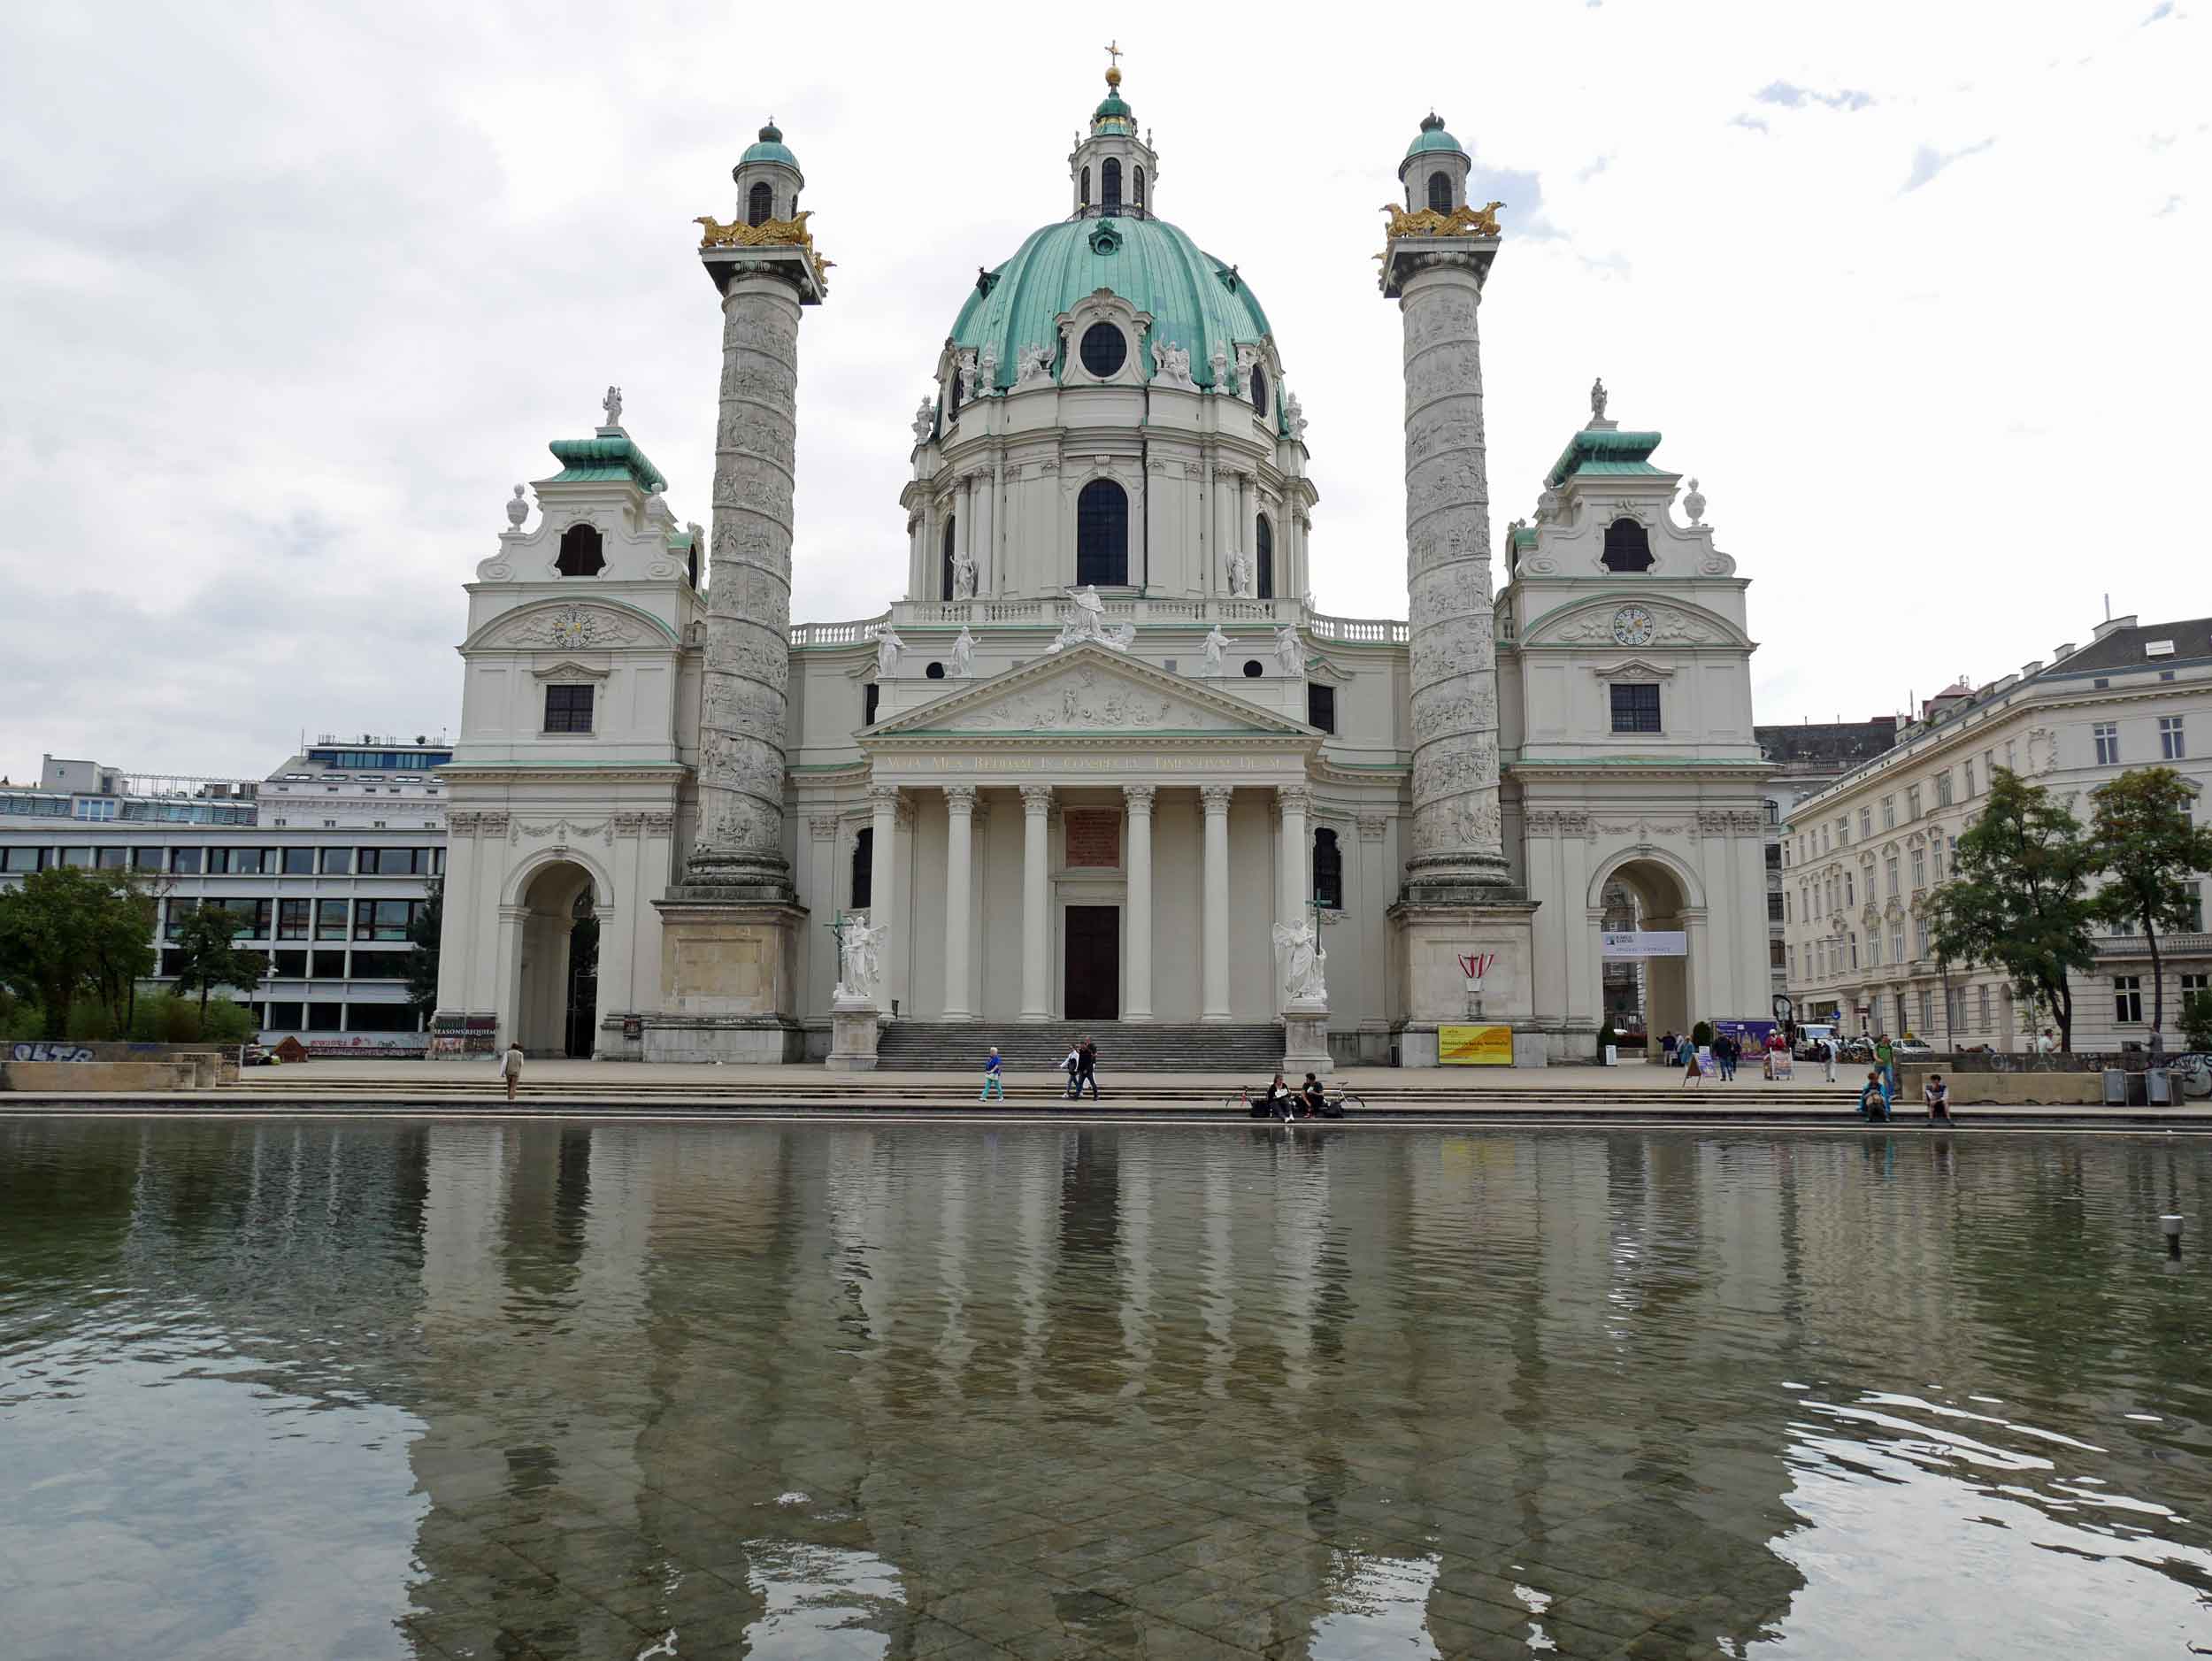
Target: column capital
(1216, 797)
(960, 798)
(1036, 800)
(1138, 797)
(884, 795)
(1294, 798)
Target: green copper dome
(771, 148)
(1196, 302)
(1433, 137)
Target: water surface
(537, 1389)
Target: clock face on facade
(1632, 627)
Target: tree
(2148, 849)
(68, 931)
(206, 959)
(2196, 1021)
(422, 966)
(2017, 898)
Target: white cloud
(289, 306)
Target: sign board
(1752, 1035)
(1093, 838)
(1644, 942)
(633, 1027)
(1475, 1046)
(458, 1037)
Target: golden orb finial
(1113, 64)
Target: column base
(854, 1029)
(729, 982)
(1430, 939)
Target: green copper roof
(1596, 450)
(771, 148)
(1432, 138)
(1522, 537)
(609, 458)
(1149, 263)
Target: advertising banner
(1644, 942)
(1475, 1046)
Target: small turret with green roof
(768, 179)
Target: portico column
(883, 881)
(1138, 797)
(1214, 983)
(968, 543)
(1291, 802)
(1036, 1000)
(959, 824)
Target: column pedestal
(1306, 1039)
(729, 977)
(856, 1025)
(1428, 940)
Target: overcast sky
(294, 294)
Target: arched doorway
(1646, 895)
(557, 1010)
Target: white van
(1811, 1036)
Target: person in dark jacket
(1086, 1067)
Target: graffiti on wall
(44, 1050)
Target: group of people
(1728, 1054)
(1280, 1101)
(1081, 1068)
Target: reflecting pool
(536, 1388)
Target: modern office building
(327, 861)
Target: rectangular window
(283, 1017)
(2108, 737)
(1866, 823)
(13, 859)
(251, 862)
(254, 916)
(1969, 779)
(292, 916)
(1843, 831)
(1912, 801)
(1889, 869)
(337, 862)
(1874, 947)
(146, 859)
(111, 858)
(1935, 857)
(1897, 943)
(568, 709)
(177, 911)
(1789, 907)
(1792, 963)
(2193, 984)
(2127, 999)
(327, 966)
(290, 965)
(1919, 869)
(2012, 756)
(1982, 1010)
(1635, 709)
(1943, 788)
(218, 862)
(1850, 890)
(2171, 745)
(381, 1018)
(1889, 813)
(1927, 1010)
(299, 862)
(1774, 907)
(1920, 937)
(1321, 706)
(330, 920)
(2196, 922)
(325, 1018)
(379, 965)
(383, 919)
(1774, 954)
(870, 695)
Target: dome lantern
(1434, 171)
(1112, 172)
(768, 179)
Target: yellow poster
(1475, 1046)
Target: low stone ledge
(52, 1077)
(2005, 1090)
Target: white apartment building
(1807, 760)
(1860, 858)
(327, 863)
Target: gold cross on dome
(1113, 54)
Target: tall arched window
(863, 870)
(1109, 185)
(1627, 547)
(581, 555)
(1087, 187)
(1259, 389)
(1328, 871)
(760, 205)
(945, 562)
(1136, 180)
(1440, 192)
(1101, 534)
(1263, 560)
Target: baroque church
(1103, 761)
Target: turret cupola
(768, 180)
(1434, 171)
(1113, 171)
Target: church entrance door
(1093, 963)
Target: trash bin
(2159, 1082)
(2115, 1087)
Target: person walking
(1087, 1068)
(1666, 1046)
(1073, 1067)
(1725, 1053)
(993, 1084)
(510, 1066)
(1828, 1049)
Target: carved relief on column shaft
(1457, 836)
(747, 666)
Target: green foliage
(2147, 849)
(69, 934)
(2196, 1021)
(422, 966)
(1702, 1035)
(2018, 899)
(206, 959)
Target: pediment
(1588, 622)
(1091, 691)
(572, 624)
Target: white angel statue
(889, 646)
(1305, 963)
(1290, 652)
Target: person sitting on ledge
(1874, 1099)
(1937, 1095)
(1314, 1098)
(1274, 1102)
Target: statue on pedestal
(613, 404)
(1598, 396)
(963, 576)
(1217, 643)
(963, 655)
(1290, 651)
(1305, 963)
(859, 960)
(889, 646)
(1240, 574)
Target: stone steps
(1040, 1047)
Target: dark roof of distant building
(1831, 744)
(2124, 648)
